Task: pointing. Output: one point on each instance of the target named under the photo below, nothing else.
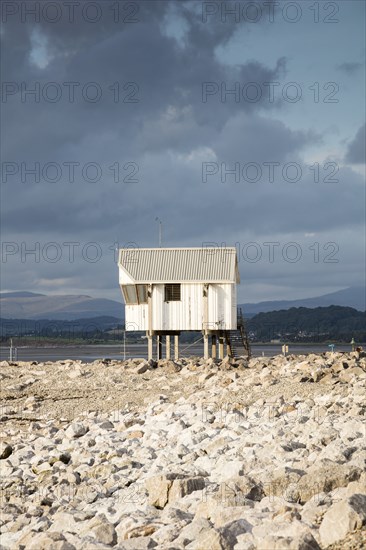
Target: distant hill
(302, 324)
(29, 305)
(354, 297)
(56, 327)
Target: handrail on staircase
(243, 332)
(240, 319)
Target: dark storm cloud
(357, 148)
(168, 133)
(169, 114)
(165, 74)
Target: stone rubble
(205, 455)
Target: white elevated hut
(169, 290)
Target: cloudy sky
(237, 123)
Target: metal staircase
(238, 340)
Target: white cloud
(39, 54)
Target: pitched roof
(169, 265)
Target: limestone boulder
(342, 518)
(171, 487)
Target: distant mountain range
(354, 297)
(57, 328)
(30, 305)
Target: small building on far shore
(170, 290)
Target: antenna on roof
(160, 230)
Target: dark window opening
(142, 294)
(172, 293)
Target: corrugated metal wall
(187, 314)
(234, 307)
(136, 317)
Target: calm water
(91, 353)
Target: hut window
(142, 294)
(135, 294)
(130, 294)
(172, 293)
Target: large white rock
(342, 518)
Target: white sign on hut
(170, 290)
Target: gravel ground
(176, 418)
(65, 389)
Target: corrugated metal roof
(169, 265)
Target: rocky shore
(195, 454)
